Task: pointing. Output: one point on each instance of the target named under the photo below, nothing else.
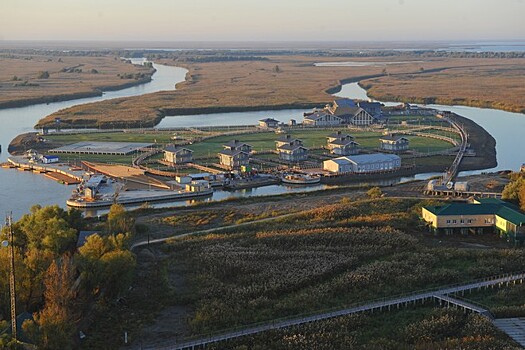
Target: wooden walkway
(514, 327)
(383, 304)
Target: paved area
(95, 147)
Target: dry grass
(497, 86)
(236, 86)
(28, 88)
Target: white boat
(300, 179)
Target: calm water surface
(20, 190)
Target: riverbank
(287, 81)
(99, 91)
(28, 79)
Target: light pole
(12, 288)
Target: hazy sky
(262, 20)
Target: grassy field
(496, 85)
(326, 257)
(257, 85)
(22, 81)
(260, 141)
(420, 328)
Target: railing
(379, 303)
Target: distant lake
(361, 64)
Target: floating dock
(60, 172)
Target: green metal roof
(487, 206)
(464, 209)
(514, 216)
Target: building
(291, 149)
(489, 215)
(338, 135)
(343, 147)
(233, 159)
(49, 159)
(268, 123)
(321, 119)
(365, 163)
(178, 155)
(350, 112)
(287, 140)
(293, 153)
(236, 145)
(372, 108)
(342, 144)
(393, 143)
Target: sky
(262, 20)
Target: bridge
(440, 295)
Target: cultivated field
(28, 79)
(280, 81)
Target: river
(20, 190)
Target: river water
(19, 190)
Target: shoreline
(99, 91)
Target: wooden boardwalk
(383, 304)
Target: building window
(469, 221)
(454, 221)
(448, 221)
(462, 221)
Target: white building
(364, 163)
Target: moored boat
(300, 179)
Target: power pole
(12, 287)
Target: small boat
(300, 179)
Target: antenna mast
(12, 287)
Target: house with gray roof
(178, 155)
(291, 149)
(392, 143)
(342, 144)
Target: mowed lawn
(260, 141)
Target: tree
(512, 189)
(55, 325)
(119, 220)
(374, 192)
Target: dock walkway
(383, 304)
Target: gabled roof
(392, 138)
(343, 142)
(291, 148)
(464, 209)
(318, 115)
(345, 102)
(232, 153)
(176, 149)
(235, 144)
(269, 120)
(339, 135)
(509, 214)
(287, 138)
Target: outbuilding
(364, 163)
(49, 159)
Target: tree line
(61, 284)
